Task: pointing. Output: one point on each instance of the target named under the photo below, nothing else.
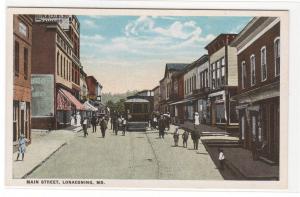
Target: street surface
(138, 155)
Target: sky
(130, 52)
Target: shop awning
(72, 99)
(183, 101)
(89, 106)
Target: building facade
(156, 98)
(167, 93)
(83, 86)
(22, 38)
(258, 49)
(223, 81)
(54, 84)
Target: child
(185, 137)
(176, 136)
(221, 159)
(22, 146)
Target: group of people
(161, 122)
(118, 123)
(102, 121)
(195, 135)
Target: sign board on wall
(62, 20)
(42, 95)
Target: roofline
(222, 34)
(234, 43)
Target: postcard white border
(161, 184)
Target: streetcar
(137, 113)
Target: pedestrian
(197, 138)
(168, 120)
(221, 158)
(111, 122)
(185, 137)
(103, 126)
(196, 120)
(115, 125)
(155, 122)
(84, 126)
(193, 136)
(124, 125)
(176, 136)
(22, 146)
(94, 122)
(161, 127)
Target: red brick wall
(91, 84)
(43, 48)
(267, 40)
(22, 86)
(181, 86)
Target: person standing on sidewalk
(176, 136)
(84, 126)
(103, 126)
(22, 146)
(185, 137)
(221, 158)
(196, 120)
(124, 125)
(94, 123)
(115, 125)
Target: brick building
(22, 35)
(55, 72)
(258, 49)
(156, 98)
(223, 81)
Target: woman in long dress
(196, 119)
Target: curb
(38, 165)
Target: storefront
(68, 107)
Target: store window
(263, 59)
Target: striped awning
(72, 99)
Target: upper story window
(213, 77)
(218, 72)
(16, 58)
(26, 63)
(243, 74)
(23, 29)
(263, 63)
(277, 56)
(223, 71)
(253, 75)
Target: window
(243, 74)
(263, 63)
(64, 73)
(252, 63)
(213, 77)
(61, 65)
(16, 59)
(223, 71)
(23, 29)
(277, 56)
(218, 74)
(25, 63)
(206, 78)
(57, 63)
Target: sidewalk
(205, 130)
(42, 147)
(238, 160)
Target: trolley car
(137, 113)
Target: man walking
(103, 126)
(161, 127)
(84, 126)
(94, 123)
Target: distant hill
(116, 97)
